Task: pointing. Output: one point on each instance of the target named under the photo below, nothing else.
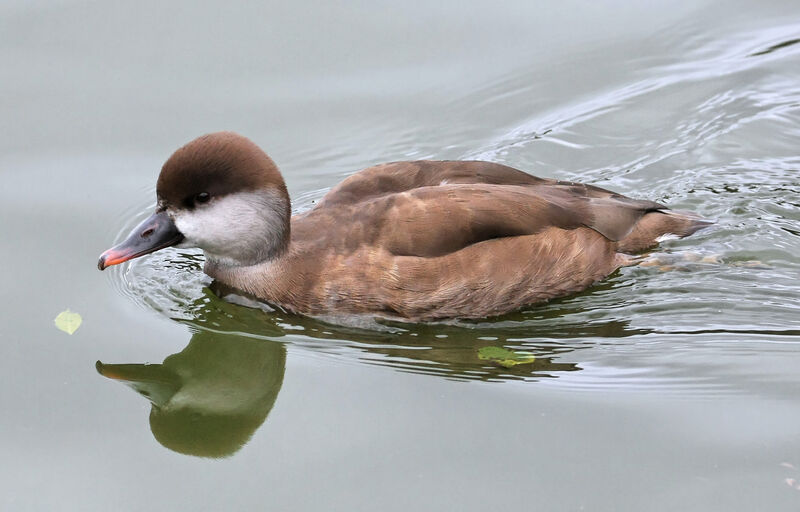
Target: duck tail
(658, 226)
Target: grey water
(671, 386)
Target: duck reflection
(208, 399)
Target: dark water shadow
(208, 399)
(775, 47)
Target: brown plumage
(416, 241)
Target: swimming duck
(414, 241)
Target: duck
(413, 241)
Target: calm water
(667, 387)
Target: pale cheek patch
(199, 228)
(228, 225)
(238, 227)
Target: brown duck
(414, 241)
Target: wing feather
(429, 209)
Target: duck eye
(202, 197)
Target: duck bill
(134, 372)
(153, 381)
(154, 233)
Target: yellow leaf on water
(505, 357)
(68, 321)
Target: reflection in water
(209, 399)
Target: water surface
(664, 387)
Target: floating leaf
(505, 357)
(68, 321)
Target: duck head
(221, 193)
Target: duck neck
(263, 277)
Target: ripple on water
(714, 131)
